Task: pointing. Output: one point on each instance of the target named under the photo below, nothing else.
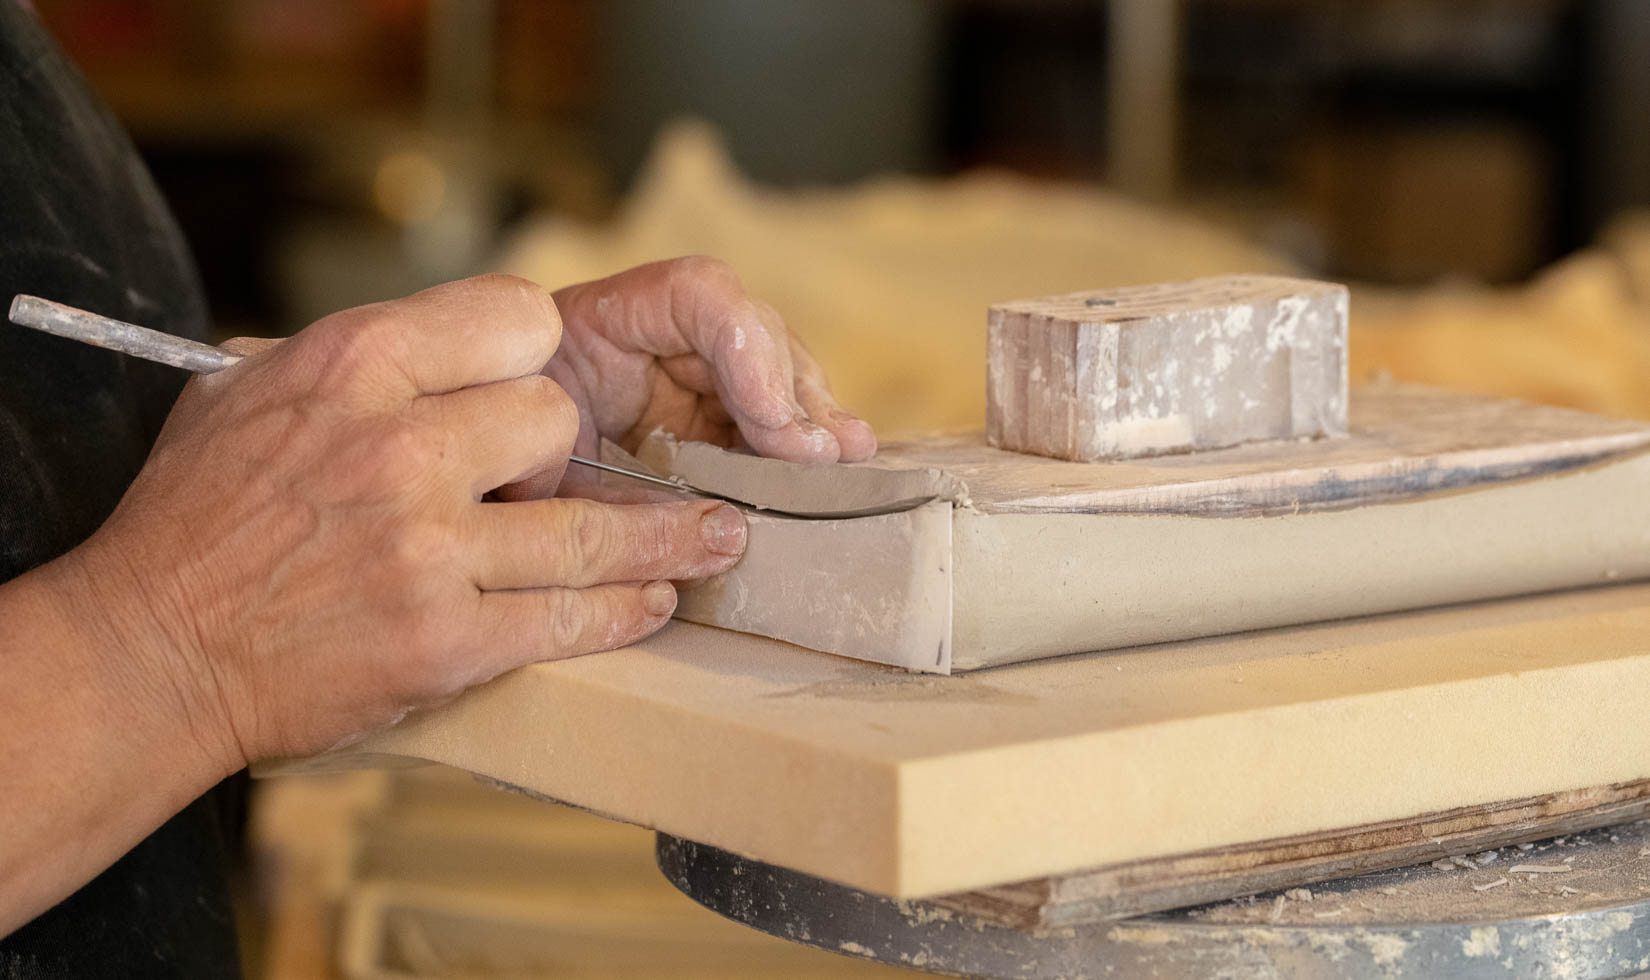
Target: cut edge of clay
(775, 484)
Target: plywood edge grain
(1140, 887)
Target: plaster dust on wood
(766, 749)
(1172, 367)
(1044, 557)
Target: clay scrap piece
(875, 588)
(877, 583)
(1147, 370)
(771, 484)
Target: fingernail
(659, 598)
(723, 530)
(839, 415)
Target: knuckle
(536, 301)
(357, 341)
(505, 282)
(416, 565)
(567, 622)
(415, 550)
(766, 313)
(247, 346)
(556, 406)
(663, 531)
(706, 271)
(590, 536)
(401, 452)
(428, 647)
(564, 424)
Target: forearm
(96, 746)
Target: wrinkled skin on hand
(680, 345)
(313, 548)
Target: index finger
(455, 335)
(695, 308)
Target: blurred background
(878, 170)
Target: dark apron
(81, 222)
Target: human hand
(308, 554)
(680, 345)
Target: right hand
(307, 554)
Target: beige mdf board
(916, 785)
(1433, 498)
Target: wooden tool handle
(127, 338)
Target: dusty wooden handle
(117, 335)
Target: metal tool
(71, 323)
(1586, 916)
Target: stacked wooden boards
(1433, 498)
(912, 785)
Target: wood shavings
(1526, 847)
(1463, 862)
(1567, 890)
(1487, 857)
(1540, 869)
(1277, 909)
(1299, 894)
(1444, 864)
(1486, 886)
(1330, 915)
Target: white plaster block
(1172, 367)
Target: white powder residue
(1280, 333)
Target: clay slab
(1433, 498)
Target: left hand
(679, 344)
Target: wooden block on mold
(1173, 367)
